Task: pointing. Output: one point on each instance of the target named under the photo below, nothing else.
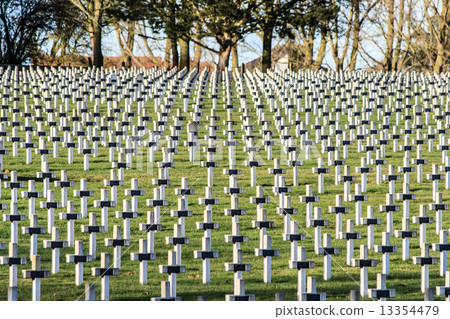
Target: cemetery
(168, 185)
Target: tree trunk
(197, 56)
(95, 31)
(294, 55)
(184, 53)
(405, 57)
(175, 59)
(335, 53)
(440, 58)
(308, 49)
(131, 27)
(266, 61)
(167, 53)
(225, 44)
(334, 36)
(198, 48)
(441, 55)
(234, 57)
(120, 43)
(401, 21)
(127, 61)
(356, 35)
(322, 51)
(389, 37)
(96, 41)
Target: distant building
(280, 59)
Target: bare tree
(226, 21)
(95, 18)
(125, 37)
(142, 32)
(346, 32)
(21, 26)
(438, 24)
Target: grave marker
(309, 199)
(35, 274)
(14, 218)
(386, 249)
(379, 161)
(261, 215)
(55, 244)
(358, 198)
(83, 193)
(267, 252)
(172, 269)
(70, 216)
(405, 234)
(92, 229)
(370, 221)
(143, 256)
(301, 264)
(64, 183)
(381, 292)
(317, 223)
(446, 169)
(327, 251)
(14, 185)
(117, 242)
(31, 194)
(126, 215)
(435, 177)
(237, 266)
(134, 192)
(425, 261)
(389, 208)
(339, 209)
(79, 258)
(89, 292)
(438, 206)
(33, 231)
(105, 271)
(350, 236)
(363, 262)
(444, 290)
(423, 220)
(113, 183)
(311, 293)
(347, 178)
(13, 260)
(206, 254)
(442, 247)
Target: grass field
(405, 277)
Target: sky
(249, 49)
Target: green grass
(405, 277)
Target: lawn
(404, 277)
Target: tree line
(388, 35)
